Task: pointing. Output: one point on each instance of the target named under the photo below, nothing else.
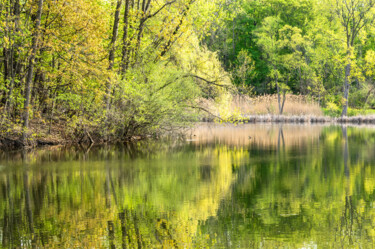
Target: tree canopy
(123, 67)
(309, 47)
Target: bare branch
(205, 110)
(210, 82)
(160, 9)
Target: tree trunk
(346, 89)
(30, 72)
(144, 17)
(300, 80)
(282, 105)
(114, 34)
(367, 96)
(234, 38)
(125, 42)
(6, 57)
(11, 60)
(172, 39)
(112, 51)
(278, 97)
(6, 61)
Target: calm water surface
(250, 186)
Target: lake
(223, 186)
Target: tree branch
(205, 110)
(207, 81)
(160, 9)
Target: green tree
(354, 16)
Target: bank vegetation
(98, 71)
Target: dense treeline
(103, 69)
(108, 70)
(320, 48)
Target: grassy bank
(297, 109)
(232, 109)
(242, 105)
(369, 119)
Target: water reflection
(246, 186)
(264, 135)
(315, 197)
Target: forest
(103, 70)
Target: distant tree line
(325, 49)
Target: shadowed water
(250, 186)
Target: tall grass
(240, 105)
(297, 109)
(268, 104)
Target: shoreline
(303, 119)
(13, 142)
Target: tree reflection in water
(245, 186)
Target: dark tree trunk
(234, 38)
(6, 72)
(30, 72)
(346, 89)
(278, 97)
(145, 16)
(125, 42)
(11, 62)
(282, 105)
(114, 35)
(112, 50)
(172, 39)
(6, 56)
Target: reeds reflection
(261, 135)
(224, 186)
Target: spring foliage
(309, 47)
(111, 69)
(114, 69)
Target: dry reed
(264, 109)
(268, 104)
